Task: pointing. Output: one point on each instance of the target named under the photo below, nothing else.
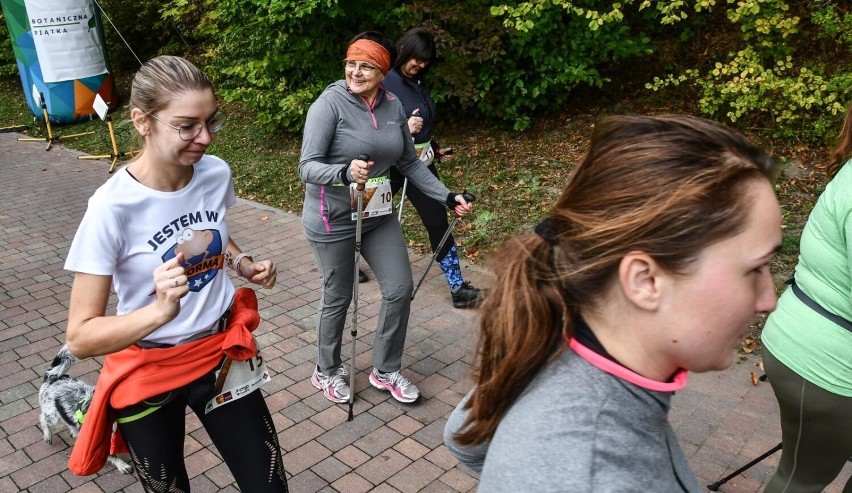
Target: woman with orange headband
(353, 117)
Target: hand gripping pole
(467, 197)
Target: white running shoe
(334, 387)
(400, 387)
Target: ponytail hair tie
(545, 230)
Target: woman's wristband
(344, 178)
(237, 260)
(451, 200)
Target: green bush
(548, 51)
(835, 25)
(8, 66)
(276, 56)
(748, 62)
(145, 32)
(272, 56)
(775, 79)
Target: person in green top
(808, 356)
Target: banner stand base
(50, 138)
(116, 154)
(13, 128)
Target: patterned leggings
(242, 431)
(434, 217)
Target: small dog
(63, 398)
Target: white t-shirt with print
(129, 230)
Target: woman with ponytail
(808, 341)
(652, 263)
(156, 234)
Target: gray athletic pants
(816, 432)
(384, 249)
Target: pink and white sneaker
(334, 387)
(400, 387)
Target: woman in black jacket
(415, 55)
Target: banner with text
(66, 39)
(61, 59)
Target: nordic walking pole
(359, 191)
(468, 198)
(715, 486)
(402, 200)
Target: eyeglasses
(363, 67)
(189, 131)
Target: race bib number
(237, 379)
(378, 198)
(425, 152)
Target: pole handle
(468, 197)
(363, 157)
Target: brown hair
(843, 151)
(162, 79)
(668, 186)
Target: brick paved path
(723, 421)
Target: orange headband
(369, 51)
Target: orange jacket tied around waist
(134, 374)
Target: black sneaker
(466, 296)
(362, 278)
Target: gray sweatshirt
(339, 127)
(579, 429)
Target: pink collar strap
(613, 368)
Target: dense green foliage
(7, 57)
(276, 56)
(772, 64)
(787, 70)
(144, 30)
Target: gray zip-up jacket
(578, 429)
(339, 127)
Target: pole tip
(351, 415)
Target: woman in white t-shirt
(156, 233)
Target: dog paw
(124, 467)
(120, 464)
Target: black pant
(242, 431)
(432, 212)
(815, 432)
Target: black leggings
(242, 431)
(431, 212)
(815, 432)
